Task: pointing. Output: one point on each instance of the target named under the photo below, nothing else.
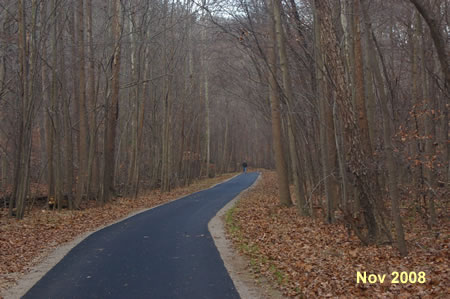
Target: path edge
(235, 263)
(36, 272)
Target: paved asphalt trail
(166, 252)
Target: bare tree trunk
(83, 146)
(360, 100)
(64, 137)
(4, 171)
(205, 93)
(207, 123)
(327, 134)
(392, 173)
(417, 95)
(282, 173)
(3, 153)
(27, 64)
(224, 167)
(113, 109)
(340, 152)
(68, 150)
(349, 48)
(134, 98)
(346, 17)
(387, 137)
(92, 103)
(68, 136)
(50, 153)
(359, 161)
(443, 144)
(370, 95)
(55, 108)
(3, 18)
(48, 114)
(328, 147)
(188, 90)
(140, 124)
(166, 108)
(280, 40)
(430, 135)
(299, 191)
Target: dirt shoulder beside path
(235, 263)
(306, 258)
(31, 247)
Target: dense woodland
(102, 98)
(348, 100)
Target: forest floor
(305, 257)
(25, 243)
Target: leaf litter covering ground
(307, 258)
(25, 243)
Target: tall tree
(112, 112)
(327, 132)
(27, 57)
(92, 102)
(280, 162)
(55, 119)
(287, 87)
(391, 166)
(83, 120)
(360, 100)
(359, 162)
(205, 80)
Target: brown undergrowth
(304, 257)
(25, 243)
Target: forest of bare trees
(347, 99)
(101, 98)
(359, 106)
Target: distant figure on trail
(244, 166)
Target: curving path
(166, 252)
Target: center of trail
(166, 252)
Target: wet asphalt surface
(166, 252)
